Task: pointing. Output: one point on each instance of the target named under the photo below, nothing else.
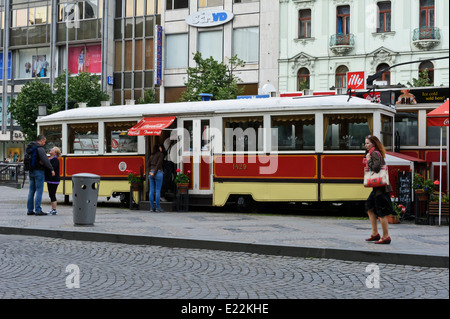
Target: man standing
(37, 176)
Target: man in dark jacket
(37, 176)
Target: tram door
(197, 155)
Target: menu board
(404, 190)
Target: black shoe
(30, 213)
(41, 214)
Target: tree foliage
(149, 97)
(210, 76)
(422, 81)
(24, 109)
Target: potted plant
(399, 209)
(423, 187)
(134, 178)
(182, 181)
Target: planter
(421, 195)
(183, 188)
(393, 219)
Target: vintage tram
(279, 149)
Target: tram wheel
(246, 204)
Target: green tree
(85, 87)
(24, 109)
(149, 97)
(210, 76)
(422, 81)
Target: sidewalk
(302, 236)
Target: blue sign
(158, 55)
(110, 80)
(1, 66)
(209, 18)
(263, 96)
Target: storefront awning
(151, 126)
(406, 157)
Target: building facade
(322, 40)
(133, 45)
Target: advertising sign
(85, 59)
(356, 80)
(1, 66)
(158, 55)
(209, 18)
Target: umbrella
(439, 117)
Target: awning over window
(151, 126)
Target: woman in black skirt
(379, 202)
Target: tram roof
(277, 104)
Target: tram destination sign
(209, 18)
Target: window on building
(426, 13)
(303, 79)
(176, 4)
(209, 3)
(429, 67)
(406, 126)
(341, 77)
(176, 53)
(246, 44)
(346, 131)
(294, 132)
(33, 63)
(384, 16)
(304, 23)
(343, 20)
(244, 1)
(210, 44)
(386, 76)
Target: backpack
(30, 158)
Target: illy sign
(356, 80)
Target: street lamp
(42, 109)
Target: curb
(245, 247)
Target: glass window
(303, 79)
(426, 13)
(295, 132)
(210, 44)
(117, 139)
(205, 138)
(53, 133)
(83, 138)
(33, 63)
(176, 54)
(346, 131)
(433, 135)
(188, 136)
(343, 20)
(384, 16)
(304, 23)
(176, 4)
(406, 126)
(341, 76)
(386, 76)
(246, 44)
(19, 18)
(387, 131)
(429, 66)
(209, 3)
(243, 134)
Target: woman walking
(379, 202)
(156, 177)
(53, 181)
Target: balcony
(341, 44)
(426, 38)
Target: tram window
(188, 136)
(205, 142)
(295, 132)
(243, 134)
(406, 126)
(433, 135)
(53, 133)
(83, 138)
(386, 131)
(117, 139)
(346, 131)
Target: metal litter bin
(85, 192)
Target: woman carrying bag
(379, 204)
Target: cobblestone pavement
(35, 267)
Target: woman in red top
(379, 202)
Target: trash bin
(85, 192)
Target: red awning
(151, 126)
(406, 157)
(439, 116)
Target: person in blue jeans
(156, 177)
(37, 177)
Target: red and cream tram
(307, 149)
